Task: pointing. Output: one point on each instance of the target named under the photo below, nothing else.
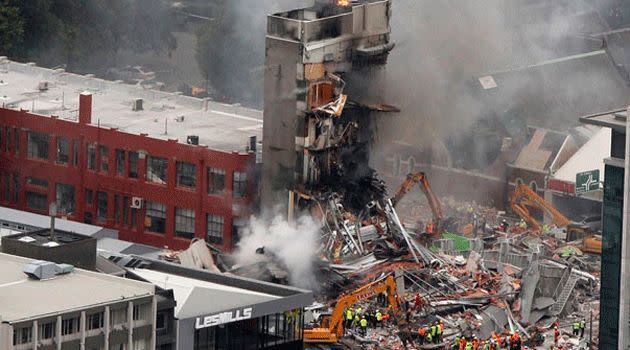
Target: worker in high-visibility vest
(576, 328)
(422, 334)
(379, 318)
(429, 338)
(440, 331)
(582, 326)
(363, 324)
(349, 318)
(434, 329)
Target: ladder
(565, 293)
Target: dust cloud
(294, 244)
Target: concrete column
(82, 325)
(624, 285)
(35, 333)
(107, 328)
(58, 333)
(130, 325)
(153, 322)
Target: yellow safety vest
(349, 315)
(379, 316)
(363, 323)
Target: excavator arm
(420, 178)
(332, 326)
(524, 198)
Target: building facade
(614, 327)
(151, 187)
(311, 121)
(80, 310)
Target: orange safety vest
(421, 331)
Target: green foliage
(11, 26)
(83, 34)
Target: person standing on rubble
(422, 334)
(434, 331)
(556, 335)
(441, 331)
(582, 327)
(576, 328)
(357, 319)
(363, 323)
(475, 343)
(349, 318)
(486, 345)
(438, 327)
(429, 338)
(455, 345)
(463, 343)
(430, 228)
(379, 319)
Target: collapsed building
(315, 134)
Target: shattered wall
(315, 135)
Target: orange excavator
(524, 197)
(331, 328)
(420, 178)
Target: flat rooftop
(219, 126)
(26, 299)
(42, 238)
(615, 120)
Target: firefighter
(582, 326)
(430, 228)
(363, 324)
(475, 343)
(556, 335)
(497, 340)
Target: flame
(343, 2)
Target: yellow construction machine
(331, 328)
(524, 198)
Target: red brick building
(156, 191)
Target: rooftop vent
(44, 270)
(179, 118)
(192, 139)
(27, 239)
(136, 105)
(42, 86)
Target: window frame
(33, 150)
(185, 219)
(212, 223)
(186, 171)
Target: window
(104, 152)
(16, 188)
(37, 145)
(184, 222)
(120, 162)
(65, 199)
(37, 182)
(534, 186)
(95, 321)
(22, 335)
(216, 180)
(75, 153)
(8, 140)
(101, 206)
(155, 219)
(156, 169)
(117, 205)
(160, 322)
(118, 316)
(87, 218)
(214, 229)
(69, 326)
(134, 218)
(141, 312)
(16, 137)
(89, 195)
(238, 226)
(91, 157)
(63, 151)
(133, 164)
(140, 344)
(125, 210)
(46, 330)
(36, 201)
(186, 174)
(239, 184)
(6, 187)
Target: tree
(11, 27)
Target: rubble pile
(481, 273)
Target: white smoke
(295, 245)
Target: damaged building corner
(317, 136)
